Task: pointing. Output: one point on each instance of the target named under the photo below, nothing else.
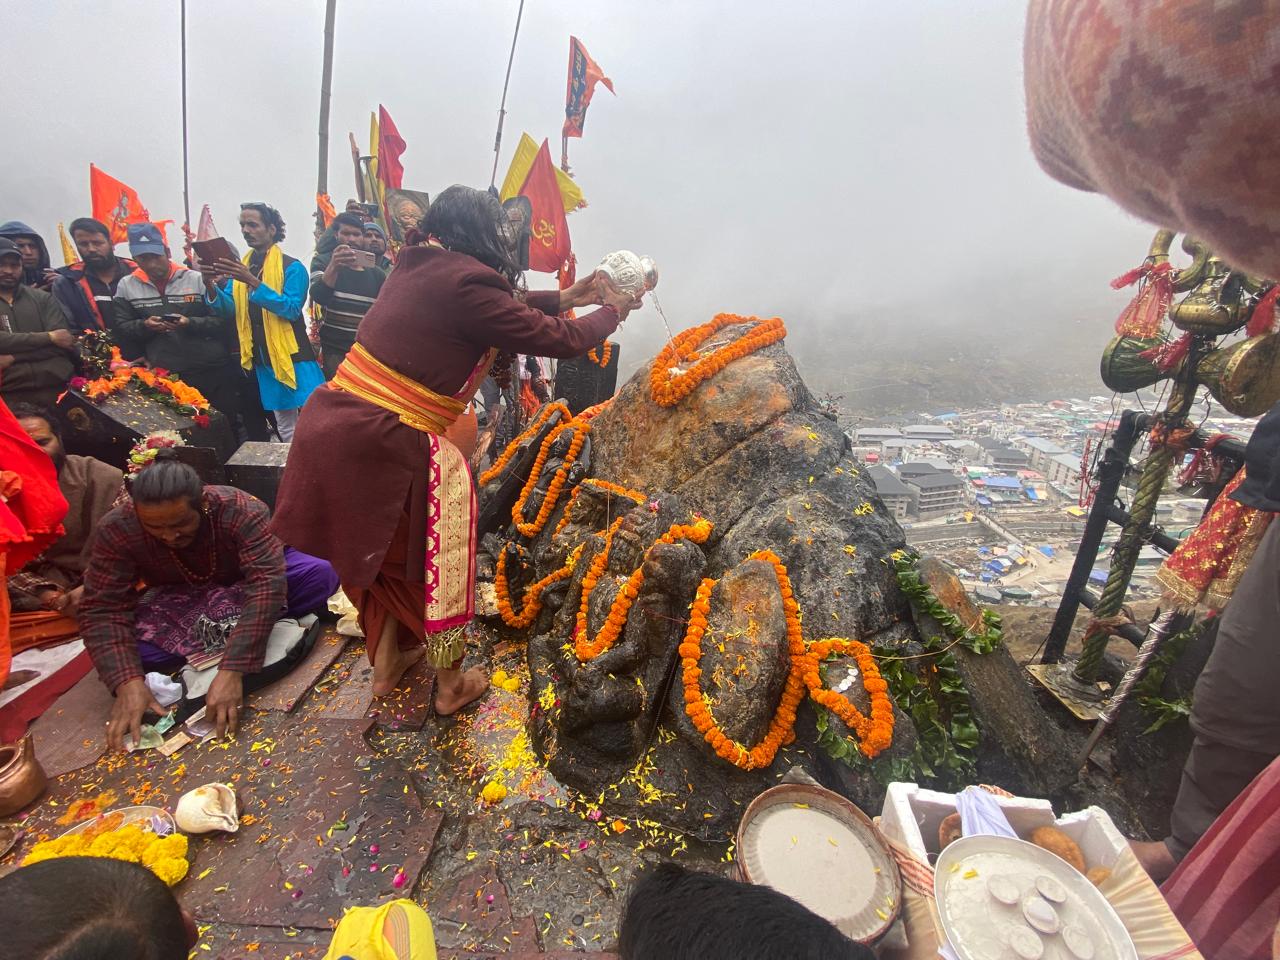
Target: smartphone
(171, 318)
(364, 258)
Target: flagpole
(186, 187)
(502, 110)
(326, 83)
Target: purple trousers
(311, 581)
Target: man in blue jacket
(85, 290)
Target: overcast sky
(821, 161)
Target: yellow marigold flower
(493, 792)
(173, 846)
(171, 870)
(511, 684)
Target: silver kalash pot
(629, 273)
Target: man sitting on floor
(214, 580)
(46, 593)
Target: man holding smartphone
(162, 315)
(344, 283)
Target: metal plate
(156, 819)
(978, 925)
(821, 850)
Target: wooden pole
(502, 109)
(326, 84)
(186, 183)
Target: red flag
(390, 146)
(115, 204)
(549, 245)
(584, 74)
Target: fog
(860, 169)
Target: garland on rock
(935, 698)
(668, 388)
(599, 361)
(532, 431)
(155, 384)
(531, 528)
(587, 648)
(611, 488)
(875, 732)
(531, 604)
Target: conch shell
(208, 808)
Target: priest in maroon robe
(372, 485)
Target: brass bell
(1214, 305)
(1244, 377)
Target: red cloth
(390, 147)
(549, 245)
(115, 204)
(30, 514)
(27, 706)
(437, 316)
(1226, 892)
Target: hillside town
(1001, 494)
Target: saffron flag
(115, 204)
(324, 204)
(584, 74)
(390, 146)
(549, 245)
(518, 172)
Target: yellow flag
(69, 253)
(522, 160)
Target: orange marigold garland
(588, 648)
(668, 389)
(531, 606)
(531, 528)
(875, 733)
(605, 485)
(501, 463)
(597, 360)
(155, 384)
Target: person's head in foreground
(349, 229)
(473, 222)
(88, 908)
(41, 425)
(10, 266)
(93, 242)
(168, 498)
(399, 930)
(675, 914)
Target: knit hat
(372, 225)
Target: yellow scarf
(281, 342)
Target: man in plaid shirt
(177, 532)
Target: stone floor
(344, 803)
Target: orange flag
(115, 204)
(549, 245)
(584, 74)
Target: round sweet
(1026, 943)
(1078, 942)
(1051, 889)
(1040, 914)
(1003, 888)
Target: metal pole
(1110, 472)
(186, 188)
(502, 109)
(326, 83)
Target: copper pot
(22, 779)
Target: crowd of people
(165, 571)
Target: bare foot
(455, 689)
(392, 666)
(1155, 858)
